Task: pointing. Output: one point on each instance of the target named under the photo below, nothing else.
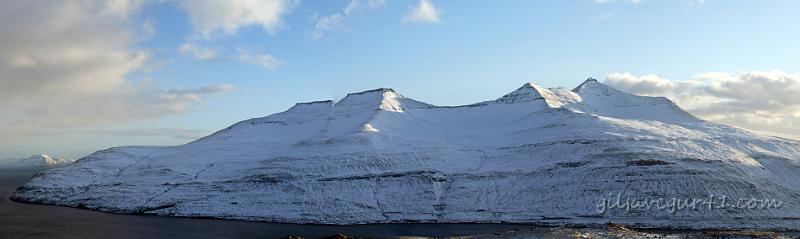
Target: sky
(81, 76)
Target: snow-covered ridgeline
(533, 155)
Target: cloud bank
(63, 64)
(755, 100)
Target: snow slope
(35, 161)
(535, 155)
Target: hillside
(537, 155)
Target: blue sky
(195, 53)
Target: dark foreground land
(19, 220)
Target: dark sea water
(20, 220)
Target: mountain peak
(385, 99)
(34, 161)
(381, 98)
(592, 83)
(47, 160)
(526, 93)
(311, 106)
(379, 90)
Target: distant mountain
(35, 161)
(535, 155)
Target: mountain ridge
(535, 155)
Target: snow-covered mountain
(553, 156)
(34, 161)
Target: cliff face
(540, 155)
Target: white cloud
(356, 5)
(201, 53)
(261, 59)
(149, 28)
(327, 23)
(221, 88)
(424, 12)
(336, 21)
(121, 9)
(63, 64)
(756, 100)
(647, 84)
(243, 56)
(213, 17)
